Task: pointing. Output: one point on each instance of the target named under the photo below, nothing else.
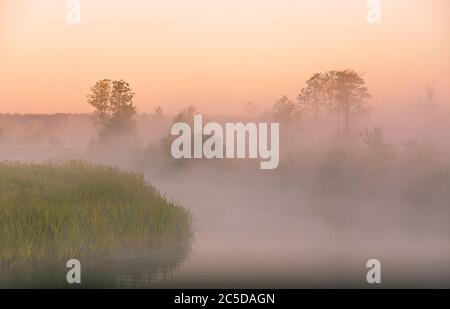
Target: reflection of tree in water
(126, 270)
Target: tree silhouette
(428, 103)
(285, 111)
(186, 115)
(317, 96)
(115, 111)
(158, 111)
(375, 144)
(250, 109)
(337, 95)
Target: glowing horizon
(216, 55)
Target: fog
(332, 204)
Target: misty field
(75, 209)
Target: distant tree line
(340, 96)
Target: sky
(216, 54)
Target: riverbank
(75, 209)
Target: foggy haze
(314, 221)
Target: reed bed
(76, 209)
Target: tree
(341, 95)
(428, 103)
(430, 111)
(186, 115)
(285, 111)
(158, 111)
(250, 109)
(115, 111)
(351, 95)
(317, 96)
(375, 144)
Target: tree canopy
(337, 95)
(115, 111)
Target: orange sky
(215, 54)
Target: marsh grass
(75, 209)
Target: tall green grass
(76, 209)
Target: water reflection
(131, 269)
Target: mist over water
(329, 207)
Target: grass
(75, 209)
